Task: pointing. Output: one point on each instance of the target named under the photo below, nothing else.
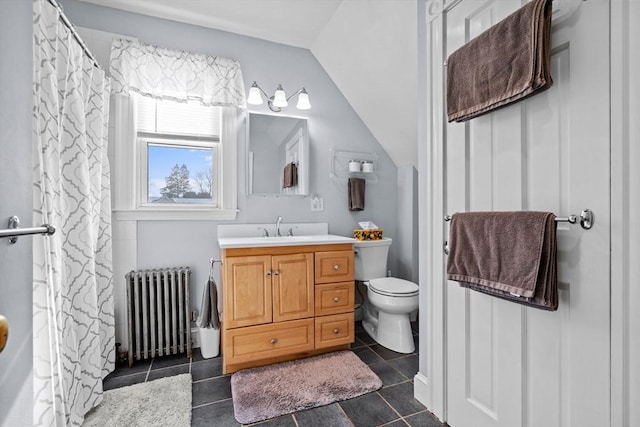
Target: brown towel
(511, 255)
(356, 194)
(504, 64)
(290, 175)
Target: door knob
(4, 332)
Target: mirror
(277, 155)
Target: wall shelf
(340, 165)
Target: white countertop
(249, 242)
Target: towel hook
(213, 262)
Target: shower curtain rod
(74, 33)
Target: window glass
(181, 174)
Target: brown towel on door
(290, 175)
(511, 255)
(356, 194)
(504, 64)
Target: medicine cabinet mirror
(277, 155)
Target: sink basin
(248, 242)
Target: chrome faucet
(278, 221)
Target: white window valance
(175, 75)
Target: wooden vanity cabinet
(284, 303)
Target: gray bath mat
(283, 388)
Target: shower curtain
(73, 319)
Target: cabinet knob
(336, 267)
(336, 299)
(276, 273)
(273, 341)
(336, 331)
(268, 272)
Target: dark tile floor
(393, 405)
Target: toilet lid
(392, 286)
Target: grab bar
(14, 230)
(586, 219)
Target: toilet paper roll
(354, 166)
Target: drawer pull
(273, 341)
(336, 331)
(336, 267)
(336, 299)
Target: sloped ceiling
(368, 48)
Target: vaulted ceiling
(368, 48)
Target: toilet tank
(371, 258)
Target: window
(183, 161)
(178, 145)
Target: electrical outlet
(317, 204)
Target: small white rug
(161, 402)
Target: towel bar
(587, 219)
(14, 230)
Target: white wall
(332, 124)
(16, 69)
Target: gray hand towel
(504, 64)
(290, 175)
(356, 194)
(511, 255)
(209, 316)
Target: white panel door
(508, 365)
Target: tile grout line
(211, 403)
(390, 406)
(345, 414)
(146, 377)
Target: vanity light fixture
(279, 100)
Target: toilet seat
(393, 287)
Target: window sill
(174, 214)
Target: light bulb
(255, 97)
(280, 99)
(303, 100)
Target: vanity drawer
(333, 298)
(335, 266)
(265, 341)
(334, 330)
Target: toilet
(390, 300)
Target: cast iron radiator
(158, 313)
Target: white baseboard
(421, 389)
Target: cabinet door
(247, 296)
(293, 293)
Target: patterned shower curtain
(73, 318)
